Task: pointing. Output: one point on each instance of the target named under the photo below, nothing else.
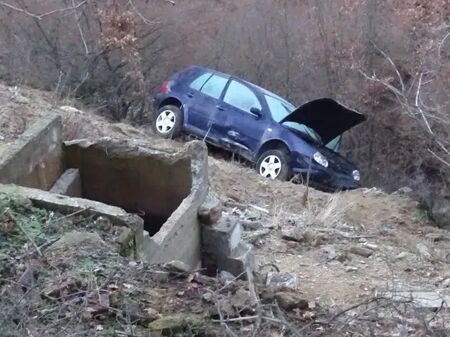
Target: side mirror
(256, 112)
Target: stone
(176, 322)
(226, 276)
(350, 269)
(330, 252)
(242, 300)
(277, 280)
(223, 238)
(292, 235)
(69, 183)
(404, 190)
(422, 299)
(250, 225)
(290, 301)
(240, 261)
(446, 283)
(177, 267)
(210, 212)
(440, 212)
(361, 251)
(208, 297)
(423, 250)
(437, 237)
(76, 240)
(21, 99)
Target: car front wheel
(168, 121)
(274, 164)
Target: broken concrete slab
(68, 184)
(423, 299)
(68, 205)
(35, 159)
(211, 210)
(223, 238)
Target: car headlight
(320, 159)
(356, 175)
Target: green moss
(176, 323)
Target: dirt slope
(341, 247)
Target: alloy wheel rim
(165, 121)
(270, 167)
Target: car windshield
(280, 109)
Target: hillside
(361, 260)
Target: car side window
(241, 97)
(198, 83)
(214, 86)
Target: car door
(239, 121)
(203, 97)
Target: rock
(292, 235)
(361, 251)
(281, 280)
(404, 255)
(330, 252)
(350, 269)
(208, 297)
(177, 267)
(139, 315)
(77, 240)
(249, 225)
(160, 276)
(176, 322)
(242, 300)
(423, 250)
(422, 299)
(226, 276)
(21, 99)
(446, 283)
(290, 301)
(60, 289)
(440, 212)
(404, 190)
(211, 210)
(103, 223)
(436, 237)
(28, 278)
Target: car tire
(280, 169)
(168, 121)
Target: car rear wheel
(274, 164)
(168, 121)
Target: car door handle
(190, 94)
(220, 108)
(233, 133)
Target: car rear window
(198, 83)
(214, 86)
(241, 97)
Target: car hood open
(327, 117)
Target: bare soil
(343, 248)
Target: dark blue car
(241, 117)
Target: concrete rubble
(161, 197)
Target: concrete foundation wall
(148, 182)
(180, 237)
(35, 159)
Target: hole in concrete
(151, 186)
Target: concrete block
(221, 239)
(35, 159)
(68, 184)
(240, 261)
(210, 212)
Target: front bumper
(325, 178)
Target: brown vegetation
(390, 60)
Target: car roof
(257, 87)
